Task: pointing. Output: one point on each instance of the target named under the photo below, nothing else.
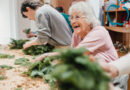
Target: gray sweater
(52, 27)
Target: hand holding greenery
(27, 31)
(74, 71)
(38, 49)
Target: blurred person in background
(51, 25)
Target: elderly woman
(88, 33)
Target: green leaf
(27, 31)
(17, 44)
(36, 73)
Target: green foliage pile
(38, 49)
(22, 62)
(74, 71)
(17, 44)
(4, 56)
(6, 67)
(42, 69)
(77, 72)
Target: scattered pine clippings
(38, 49)
(18, 88)
(6, 67)
(22, 62)
(77, 72)
(2, 77)
(17, 44)
(4, 56)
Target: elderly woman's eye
(77, 17)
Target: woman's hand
(30, 34)
(30, 43)
(112, 70)
(41, 57)
(27, 45)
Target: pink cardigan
(98, 42)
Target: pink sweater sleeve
(93, 41)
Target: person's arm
(41, 57)
(43, 32)
(122, 64)
(111, 70)
(92, 42)
(29, 33)
(30, 43)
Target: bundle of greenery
(74, 71)
(77, 72)
(42, 69)
(38, 49)
(17, 44)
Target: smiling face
(79, 23)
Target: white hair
(87, 10)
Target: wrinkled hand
(112, 70)
(27, 45)
(31, 34)
(30, 43)
(41, 57)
